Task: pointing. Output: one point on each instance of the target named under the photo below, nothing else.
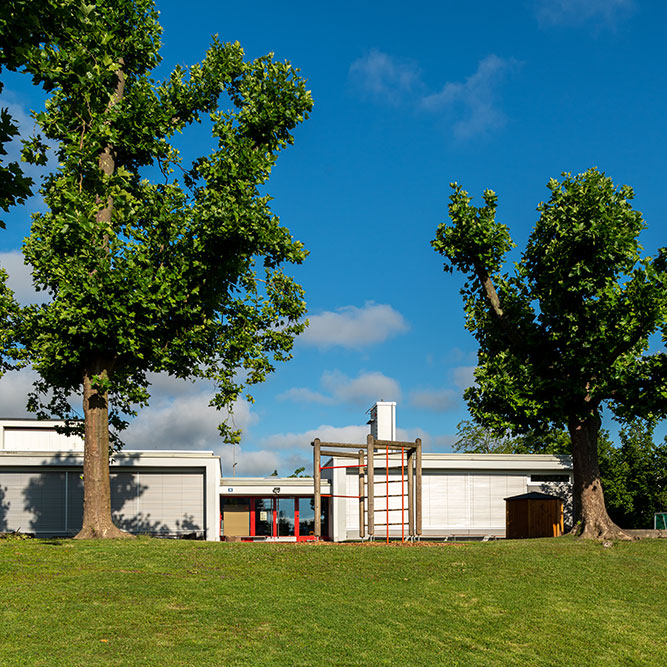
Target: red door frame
(274, 512)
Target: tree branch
(496, 308)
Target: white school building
(183, 493)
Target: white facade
(154, 492)
(25, 435)
(269, 486)
(180, 492)
(463, 495)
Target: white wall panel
(51, 502)
(39, 439)
(32, 502)
(161, 502)
(457, 512)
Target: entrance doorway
(289, 518)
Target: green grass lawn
(164, 602)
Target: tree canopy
(566, 332)
(24, 25)
(152, 265)
(474, 438)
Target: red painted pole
(402, 495)
(387, 498)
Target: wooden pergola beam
(379, 444)
(343, 455)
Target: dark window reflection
(286, 517)
(306, 516)
(264, 516)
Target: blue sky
(492, 95)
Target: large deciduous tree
(567, 331)
(151, 265)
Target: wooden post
(317, 484)
(411, 492)
(362, 532)
(418, 493)
(370, 483)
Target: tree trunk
(97, 520)
(590, 514)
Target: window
(550, 478)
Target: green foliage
(182, 275)
(567, 330)
(477, 240)
(24, 25)
(634, 476)
(298, 473)
(476, 439)
(15, 187)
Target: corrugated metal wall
(451, 502)
(51, 502)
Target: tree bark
(496, 307)
(590, 514)
(97, 521)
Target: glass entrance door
(263, 517)
(285, 517)
(306, 518)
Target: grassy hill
(163, 602)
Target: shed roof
(534, 495)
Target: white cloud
(325, 432)
(262, 462)
(354, 327)
(576, 12)
(14, 389)
(463, 376)
(257, 463)
(473, 102)
(440, 443)
(385, 77)
(165, 387)
(179, 417)
(435, 400)
(373, 386)
(338, 388)
(20, 278)
(286, 452)
(305, 395)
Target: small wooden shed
(533, 514)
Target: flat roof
(467, 462)
(124, 452)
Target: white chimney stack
(383, 420)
